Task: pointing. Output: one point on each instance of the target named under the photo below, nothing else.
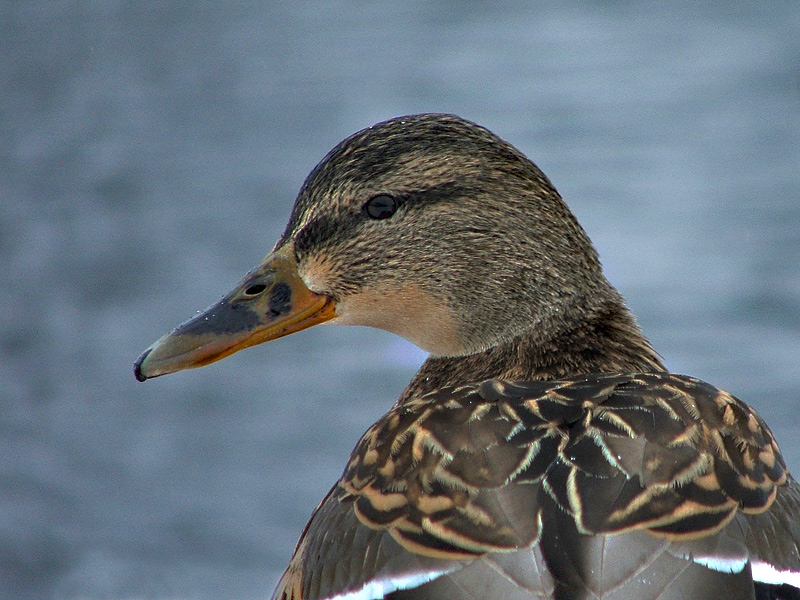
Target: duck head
(428, 226)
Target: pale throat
(425, 321)
(422, 318)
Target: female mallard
(542, 451)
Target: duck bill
(270, 302)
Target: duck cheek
(424, 320)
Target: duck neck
(606, 340)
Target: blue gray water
(150, 153)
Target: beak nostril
(255, 290)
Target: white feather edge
(721, 564)
(762, 572)
(767, 573)
(381, 587)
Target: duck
(542, 450)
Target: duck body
(596, 486)
(542, 451)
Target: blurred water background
(150, 153)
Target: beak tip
(137, 366)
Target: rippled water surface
(149, 156)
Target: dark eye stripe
(381, 206)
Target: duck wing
(609, 486)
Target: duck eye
(381, 206)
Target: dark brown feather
(569, 473)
